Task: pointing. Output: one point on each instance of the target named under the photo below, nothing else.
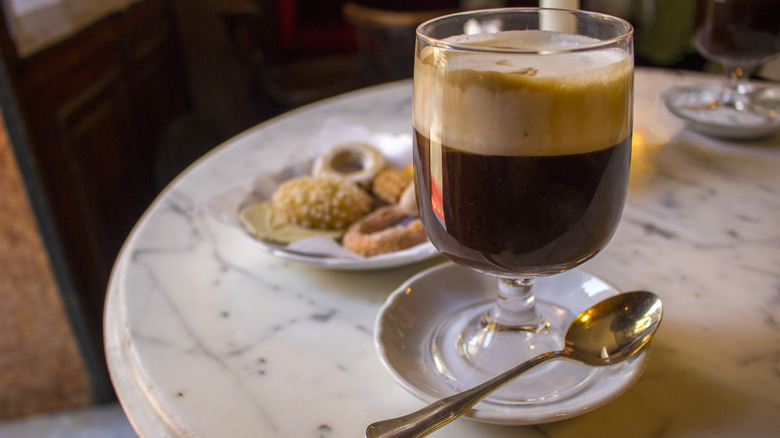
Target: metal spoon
(609, 332)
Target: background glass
(739, 34)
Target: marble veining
(208, 336)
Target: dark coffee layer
(520, 215)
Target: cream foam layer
(503, 103)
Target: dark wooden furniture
(94, 108)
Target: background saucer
(407, 319)
(691, 104)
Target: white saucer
(692, 104)
(407, 319)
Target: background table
(207, 336)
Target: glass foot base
(466, 353)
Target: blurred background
(104, 102)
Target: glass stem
(515, 309)
(736, 93)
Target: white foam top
(501, 102)
(530, 41)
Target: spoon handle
(441, 412)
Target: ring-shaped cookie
(357, 162)
(385, 230)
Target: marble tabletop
(207, 336)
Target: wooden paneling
(97, 171)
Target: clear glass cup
(522, 146)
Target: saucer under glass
(408, 322)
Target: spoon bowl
(614, 329)
(607, 333)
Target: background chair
(386, 34)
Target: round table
(207, 336)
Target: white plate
(325, 253)
(407, 256)
(691, 104)
(407, 319)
